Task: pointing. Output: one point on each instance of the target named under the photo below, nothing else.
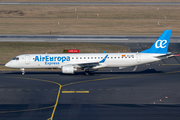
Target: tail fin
(161, 44)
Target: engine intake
(69, 69)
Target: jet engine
(69, 69)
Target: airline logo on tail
(160, 43)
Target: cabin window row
(99, 57)
(94, 57)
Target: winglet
(161, 44)
(104, 52)
(104, 59)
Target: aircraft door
(138, 57)
(27, 59)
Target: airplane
(71, 62)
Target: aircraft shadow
(90, 73)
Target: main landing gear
(87, 73)
(23, 71)
(135, 68)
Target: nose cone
(7, 64)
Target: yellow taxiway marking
(1, 90)
(99, 89)
(170, 64)
(97, 80)
(27, 110)
(68, 91)
(75, 91)
(173, 72)
(57, 99)
(10, 90)
(117, 89)
(108, 89)
(82, 91)
(18, 89)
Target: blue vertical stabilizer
(161, 44)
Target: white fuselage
(120, 60)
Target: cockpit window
(16, 58)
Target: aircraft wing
(89, 65)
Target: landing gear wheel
(23, 71)
(87, 73)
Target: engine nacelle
(69, 69)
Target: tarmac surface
(89, 3)
(84, 38)
(151, 92)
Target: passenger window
(108, 57)
(17, 58)
(91, 57)
(72, 57)
(114, 57)
(111, 57)
(101, 57)
(84, 57)
(94, 57)
(80, 57)
(76, 57)
(98, 57)
(88, 57)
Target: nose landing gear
(23, 71)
